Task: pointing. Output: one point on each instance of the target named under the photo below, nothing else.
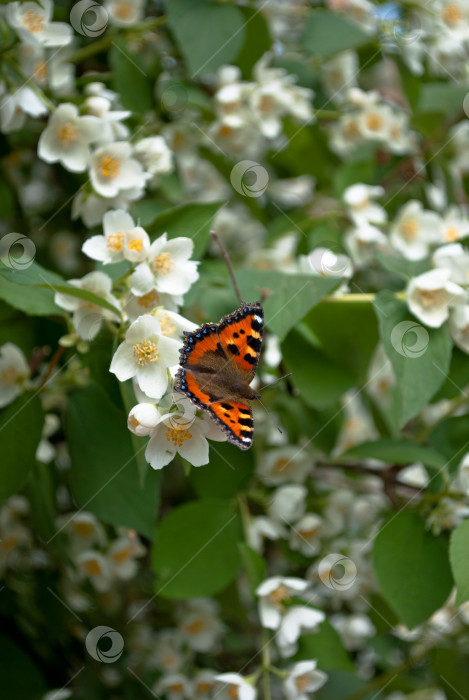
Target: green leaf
(19, 673)
(33, 300)
(326, 646)
(146, 210)
(412, 567)
(288, 297)
(20, 432)
(254, 566)
(403, 267)
(418, 377)
(450, 438)
(445, 97)
(458, 548)
(228, 472)
(190, 220)
(209, 35)
(335, 325)
(450, 666)
(195, 552)
(458, 377)
(326, 33)
(320, 380)
(105, 476)
(395, 451)
(257, 40)
(129, 77)
(33, 274)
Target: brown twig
(52, 365)
(227, 260)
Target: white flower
(155, 156)
(288, 502)
(431, 295)
(113, 169)
(15, 106)
(84, 531)
(303, 678)
(292, 192)
(363, 242)
(14, 370)
(199, 624)
(58, 694)
(296, 619)
(340, 73)
(121, 240)
(135, 306)
(182, 433)
(167, 651)
(274, 593)
(95, 567)
(324, 262)
(414, 230)
(261, 527)
(354, 629)
(455, 225)
(122, 555)
(305, 534)
(45, 450)
(143, 418)
(459, 327)
(359, 203)
(125, 13)
(53, 71)
(174, 686)
(203, 684)
(234, 686)
(283, 464)
(168, 268)
(380, 378)
(146, 354)
(67, 137)
(32, 23)
(88, 317)
(455, 258)
(463, 473)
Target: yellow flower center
(149, 300)
(279, 596)
(302, 682)
(135, 244)
(374, 121)
(33, 21)
(83, 529)
(122, 555)
(203, 687)
(383, 385)
(40, 71)
(134, 422)
(167, 326)
(67, 133)
(177, 435)
(452, 14)
(115, 241)
(10, 375)
(162, 264)
(145, 352)
(109, 167)
(9, 543)
(351, 130)
(432, 297)
(123, 10)
(452, 234)
(281, 465)
(309, 533)
(410, 229)
(176, 687)
(195, 627)
(92, 567)
(266, 103)
(225, 130)
(232, 691)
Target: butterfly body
(218, 363)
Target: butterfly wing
(240, 335)
(235, 418)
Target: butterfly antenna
(227, 260)
(269, 414)
(279, 379)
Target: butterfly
(218, 362)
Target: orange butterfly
(218, 362)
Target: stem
(266, 665)
(52, 364)
(245, 514)
(227, 260)
(353, 298)
(326, 114)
